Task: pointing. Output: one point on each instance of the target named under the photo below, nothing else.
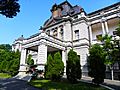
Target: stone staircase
(26, 77)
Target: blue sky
(34, 13)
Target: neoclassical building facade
(68, 27)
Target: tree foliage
(73, 67)
(9, 60)
(6, 47)
(9, 8)
(54, 68)
(96, 64)
(30, 61)
(110, 49)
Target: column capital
(23, 48)
(102, 13)
(103, 27)
(103, 19)
(119, 7)
(118, 15)
(89, 24)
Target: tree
(96, 64)
(55, 68)
(14, 67)
(73, 67)
(58, 68)
(111, 52)
(48, 67)
(9, 60)
(6, 47)
(9, 8)
(30, 61)
(14, 63)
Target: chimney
(56, 11)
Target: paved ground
(15, 84)
(110, 83)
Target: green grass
(4, 75)
(64, 85)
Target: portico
(42, 46)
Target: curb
(100, 85)
(106, 87)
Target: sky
(33, 14)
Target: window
(77, 34)
(114, 32)
(75, 17)
(99, 37)
(55, 33)
(48, 32)
(61, 32)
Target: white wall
(96, 30)
(83, 30)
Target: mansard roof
(67, 9)
(108, 8)
(66, 2)
(20, 38)
(73, 10)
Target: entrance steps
(25, 77)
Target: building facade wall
(78, 33)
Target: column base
(41, 67)
(22, 72)
(84, 74)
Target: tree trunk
(112, 73)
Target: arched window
(55, 33)
(48, 32)
(61, 32)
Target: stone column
(23, 60)
(106, 25)
(58, 31)
(64, 58)
(90, 33)
(42, 56)
(103, 27)
(67, 31)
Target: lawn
(4, 75)
(63, 85)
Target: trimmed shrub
(73, 67)
(54, 68)
(96, 64)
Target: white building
(68, 27)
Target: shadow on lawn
(64, 85)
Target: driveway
(15, 84)
(114, 84)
